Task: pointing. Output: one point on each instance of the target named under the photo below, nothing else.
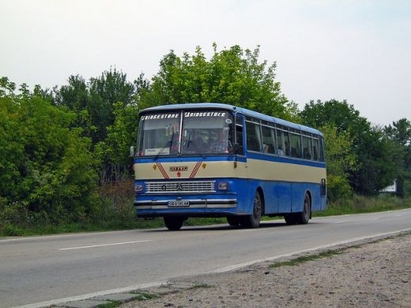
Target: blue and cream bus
(218, 160)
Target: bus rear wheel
(253, 220)
(173, 223)
(300, 217)
(304, 216)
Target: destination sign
(160, 116)
(205, 114)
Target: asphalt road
(49, 269)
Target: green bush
(361, 204)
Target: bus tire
(304, 216)
(234, 221)
(173, 223)
(253, 220)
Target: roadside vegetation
(64, 152)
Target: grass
(143, 296)
(139, 296)
(361, 204)
(201, 286)
(303, 259)
(112, 304)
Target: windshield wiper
(168, 145)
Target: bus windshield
(185, 133)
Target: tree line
(60, 147)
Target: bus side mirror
(132, 151)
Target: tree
(93, 101)
(76, 97)
(376, 164)
(45, 165)
(101, 106)
(400, 135)
(112, 87)
(374, 168)
(114, 150)
(232, 76)
(340, 160)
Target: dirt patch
(369, 274)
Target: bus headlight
(223, 186)
(138, 188)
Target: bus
(219, 160)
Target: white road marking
(104, 245)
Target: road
(36, 271)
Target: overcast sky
(359, 50)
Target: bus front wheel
(173, 223)
(253, 220)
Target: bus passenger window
(307, 147)
(316, 146)
(253, 137)
(268, 140)
(287, 143)
(295, 146)
(322, 156)
(280, 143)
(238, 142)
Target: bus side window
(239, 141)
(307, 147)
(315, 148)
(322, 156)
(295, 146)
(268, 140)
(287, 143)
(239, 134)
(253, 137)
(280, 142)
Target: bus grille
(180, 187)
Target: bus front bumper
(186, 204)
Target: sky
(353, 50)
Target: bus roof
(241, 110)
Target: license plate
(178, 203)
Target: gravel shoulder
(374, 273)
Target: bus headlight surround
(223, 185)
(138, 188)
